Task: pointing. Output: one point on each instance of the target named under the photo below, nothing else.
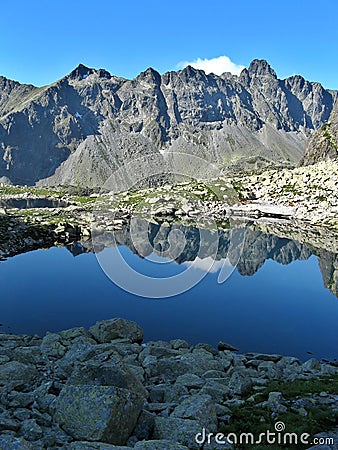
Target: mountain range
(79, 129)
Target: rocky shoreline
(303, 199)
(303, 196)
(104, 389)
(310, 192)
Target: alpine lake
(261, 289)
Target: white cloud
(223, 266)
(215, 65)
(208, 264)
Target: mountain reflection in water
(243, 247)
(273, 302)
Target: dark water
(24, 203)
(274, 300)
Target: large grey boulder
(51, 345)
(217, 389)
(200, 361)
(108, 330)
(167, 368)
(31, 430)
(190, 380)
(14, 443)
(171, 368)
(182, 431)
(239, 383)
(110, 373)
(145, 426)
(311, 365)
(198, 407)
(98, 413)
(17, 373)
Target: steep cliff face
(89, 121)
(323, 143)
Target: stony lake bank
(104, 389)
(300, 202)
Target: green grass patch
(84, 200)
(328, 384)
(18, 190)
(255, 420)
(291, 188)
(239, 188)
(251, 418)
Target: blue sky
(42, 41)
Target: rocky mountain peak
(103, 73)
(228, 76)
(2, 80)
(80, 72)
(150, 75)
(7, 83)
(190, 70)
(189, 73)
(259, 67)
(298, 84)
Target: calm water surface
(272, 302)
(24, 203)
